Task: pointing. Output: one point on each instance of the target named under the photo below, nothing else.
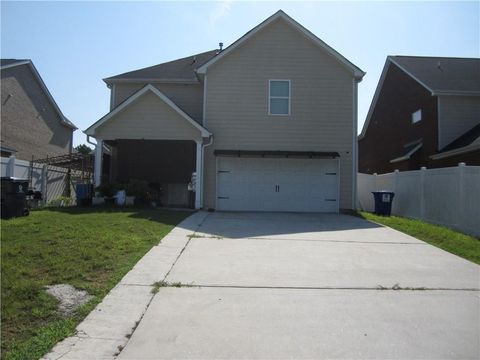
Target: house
(267, 124)
(32, 124)
(425, 112)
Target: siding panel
(148, 118)
(458, 115)
(321, 102)
(189, 97)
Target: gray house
(32, 124)
(267, 124)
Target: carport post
(98, 162)
(199, 177)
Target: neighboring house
(267, 124)
(425, 112)
(31, 122)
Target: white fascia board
(63, 120)
(15, 64)
(459, 151)
(152, 80)
(407, 155)
(91, 130)
(455, 93)
(357, 72)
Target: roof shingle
(181, 69)
(443, 74)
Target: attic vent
(220, 45)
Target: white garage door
(266, 184)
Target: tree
(83, 149)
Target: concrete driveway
(307, 286)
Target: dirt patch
(69, 297)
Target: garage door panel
(266, 184)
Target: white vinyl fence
(51, 181)
(445, 196)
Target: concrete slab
(75, 348)
(153, 266)
(226, 323)
(315, 227)
(103, 332)
(116, 315)
(273, 263)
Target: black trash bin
(383, 202)
(14, 197)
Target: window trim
(421, 116)
(270, 97)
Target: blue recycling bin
(383, 202)
(84, 193)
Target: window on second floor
(279, 97)
(416, 116)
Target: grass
(452, 241)
(89, 249)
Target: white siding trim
(357, 72)
(354, 145)
(204, 119)
(112, 97)
(91, 130)
(199, 176)
(407, 155)
(462, 150)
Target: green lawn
(452, 241)
(91, 249)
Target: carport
(148, 137)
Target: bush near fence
(445, 196)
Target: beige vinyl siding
(150, 118)
(188, 97)
(457, 115)
(321, 102)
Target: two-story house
(32, 124)
(425, 112)
(267, 124)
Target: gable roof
(180, 70)
(91, 130)
(443, 75)
(358, 73)
(10, 63)
(439, 75)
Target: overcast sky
(76, 44)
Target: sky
(74, 45)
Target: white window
(279, 97)
(416, 116)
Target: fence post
(44, 183)
(11, 166)
(461, 195)
(423, 171)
